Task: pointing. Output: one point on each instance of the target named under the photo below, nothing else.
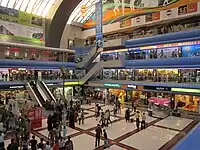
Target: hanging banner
(99, 28)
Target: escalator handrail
(38, 94)
(49, 92)
(33, 92)
(41, 92)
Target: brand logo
(131, 86)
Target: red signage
(35, 117)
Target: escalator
(32, 94)
(95, 69)
(38, 94)
(46, 91)
(101, 65)
(88, 59)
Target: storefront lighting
(71, 83)
(131, 86)
(112, 85)
(185, 90)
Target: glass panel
(4, 3)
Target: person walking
(12, 145)
(106, 118)
(102, 120)
(49, 123)
(56, 146)
(119, 107)
(41, 144)
(25, 144)
(105, 138)
(2, 141)
(138, 120)
(33, 143)
(82, 116)
(51, 137)
(143, 123)
(134, 106)
(98, 131)
(69, 144)
(47, 146)
(127, 115)
(109, 120)
(62, 144)
(115, 109)
(79, 118)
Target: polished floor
(160, 134)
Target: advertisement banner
(171, 52)
(19, 17)
(153, 17)
(139, 20)
(191, 51)
(169, 14)
(185, 9)
(99, 26)
(8, 30)
(125, 23)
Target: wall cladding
(59, 21)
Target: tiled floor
(174, 123)
(151, 138)
(110, 107)
(70, 131)
(122, 135)
(84, 142)
(86, 106)
(122, 129)
(92, 122)
(114, 147)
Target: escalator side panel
(47, 91)
(32, 94)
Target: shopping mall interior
(109, 73)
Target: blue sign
(191, 51)
(99, 28)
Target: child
(105, 139)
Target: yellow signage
(185, 90)
(71, 83)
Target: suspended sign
(99, 28)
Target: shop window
(38, 56)
(7, 53)
(16, 54)
(25, 54)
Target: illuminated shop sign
(71, 83)
(17, 87)
(185, 90)
(158, 88)
(131, 86)
(112, 85)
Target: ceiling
(120, 10)
(78, 17)
(37, 7)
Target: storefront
(69, 88)
(188, 102)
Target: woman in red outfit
(56, 146)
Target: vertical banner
(99, 28)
